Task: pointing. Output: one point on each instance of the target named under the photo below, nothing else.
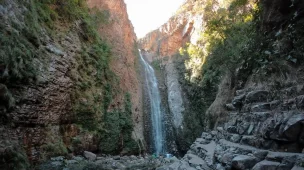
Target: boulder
(260, 154)
(194, 160)
(237, 102)
(230, 107)
(261, 116)
(89, 155)
(269, 165)
(235, 138)
(297, 168)
(243, 127)
(226, 158)
(179, 165)
(232, 129)
(257, 96)
(292, 128)
(243, 162)
(206, 136)
(251, 140)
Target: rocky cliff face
(182, 28)
(256, 114)
(78, 86)
(120, 34)
(214, 85)
(162, 44)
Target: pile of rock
(263, 130)
(209, 152)
(91, 161)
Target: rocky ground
(90, 161)
(261, 131)
(210, 152)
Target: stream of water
(155, 105)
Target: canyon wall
(184, 27)
(120, 34)
(260, 53)
(78, 89)
(162, 46)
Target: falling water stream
(155, 103)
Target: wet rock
(269, 165)
(89, 155)
(243, 162)
(257, 96)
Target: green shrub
(117, 136)
(54, 148)
(13, 157)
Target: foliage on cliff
(24, 56)
(237, 41)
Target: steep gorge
(231, 72)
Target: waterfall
(155, 103)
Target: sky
(148, 15)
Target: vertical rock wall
(43, 117)
(120, 34)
